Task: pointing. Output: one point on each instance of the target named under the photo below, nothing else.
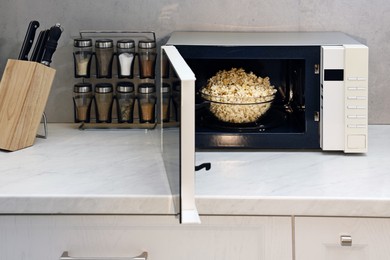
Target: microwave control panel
(344, 98)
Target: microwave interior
(291, 121)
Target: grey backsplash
(367, 21)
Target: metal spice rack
(136, 80)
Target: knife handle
(28, 40)
(51, 44)
(39, 47)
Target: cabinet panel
(46, 237)
(328, 238)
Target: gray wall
(367, 20)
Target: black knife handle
(28, 40)
(39, 46)
(51, 44)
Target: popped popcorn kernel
(237, 96)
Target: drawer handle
(346, 240)
(65, 256)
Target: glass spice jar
(103, 102)
(165, 103)
(104, 51)
(125, 99)
(147, 58)
(82, 55)
(147, 102)
(82, 100)
(125, 54)
(165, 66)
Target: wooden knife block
(24, 90)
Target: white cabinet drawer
(321, 238)
(224, 238)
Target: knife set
(25, 88)
(117, 69)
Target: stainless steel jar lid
(165, 88)
(82, 88)
(104, 43)
(125, 44)
(125, 87)
(80, 42)
(146, 88)
(103, 88)
(147, 44)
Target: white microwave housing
(343, 115)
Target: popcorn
(237, 96)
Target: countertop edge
(100, 204)
(294, 206)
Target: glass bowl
(236, 109)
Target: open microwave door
(178, 132)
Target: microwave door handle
(206, 166)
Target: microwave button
(356, 97)
(356, 88)
(356, 141)
(361, 78)
(351, 126)
(356, 107)
(352, 78)
(356, 117)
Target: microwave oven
(320, 100)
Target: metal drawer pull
(65, 256)
(346, 240)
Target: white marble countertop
(299, 182)
(86, 172)
(122, 172)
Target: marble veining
(122, 172)
(300, 173)
(90, 171)
(298, 182)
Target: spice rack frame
(114, 79)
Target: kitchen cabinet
(328, 238)
(44, 237)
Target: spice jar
(164, 65)
(82, 54)
(125, 54)
(103, 102)
(176, 99)
(82, 100)
(147, 102)
(104, 51)
(165, 103)
(147, 58)
(125, 98)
